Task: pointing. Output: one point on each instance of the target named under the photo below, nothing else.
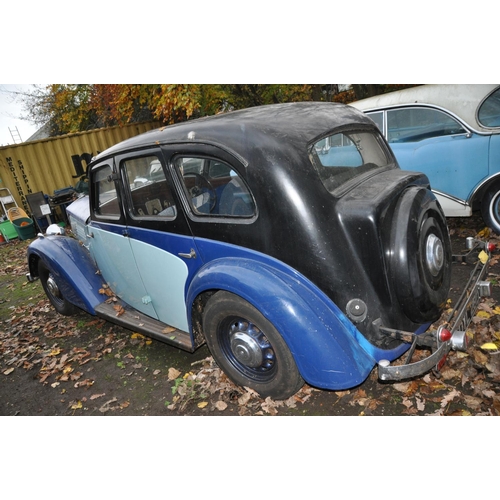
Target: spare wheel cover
(420, 255)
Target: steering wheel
(202, 186)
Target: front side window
(417, 124)
(489, 112)
(149, 193)
(213, 188)
(341, 157)
(106, 201)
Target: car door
(435, 143)
(219, 205)
(163, 248)
(108, 240)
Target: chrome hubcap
(246, 349)
(52, 287)
(434, 254)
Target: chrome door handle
(190, 255)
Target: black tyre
(49, 284)
(248, 348)
(420, 255)
(490, 208)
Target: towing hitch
(452, 334)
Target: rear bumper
(456, 323)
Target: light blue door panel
(164, 276)
(164, 272)
(454, 164)
(115, 260)
(495, 154)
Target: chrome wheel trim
(434, 254)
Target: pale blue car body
(452, 134)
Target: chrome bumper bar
(457, 323)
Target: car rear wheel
(490, 208)
(51, 288)
(248, 348)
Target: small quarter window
(489, 112)
(214, 189)
(378, 118)
(106, 200)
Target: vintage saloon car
(284, 237)
(451, 133)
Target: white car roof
(461, 100)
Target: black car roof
(295, 124)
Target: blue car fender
(72, 267)
(322, 340)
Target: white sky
(11, 110)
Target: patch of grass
(16, 291)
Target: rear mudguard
(329, 351)
(72, 267)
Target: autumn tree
(70, 108)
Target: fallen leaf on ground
(490, 346)
(173, 374)
(401, 387)
(483, 314)
(77, 406)
(220, 405)
(106, 406)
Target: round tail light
(444, 335)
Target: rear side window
(341, 157)
(417, 124)
(214, 189)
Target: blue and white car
(284, 237)
(452, 134)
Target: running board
(137, 322)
